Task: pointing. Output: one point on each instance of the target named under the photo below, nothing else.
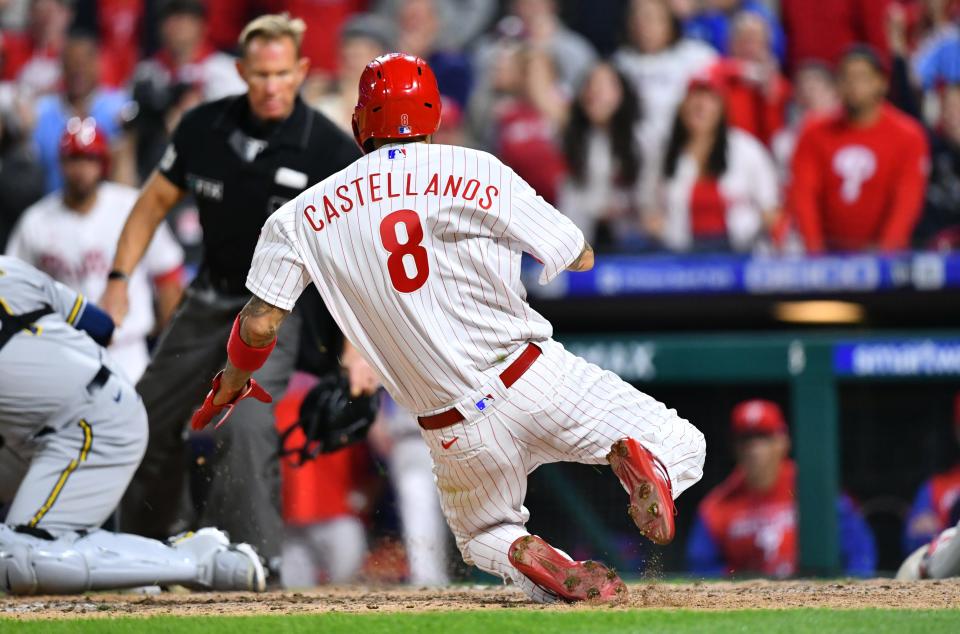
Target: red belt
(509, 376)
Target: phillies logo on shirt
(855, 164)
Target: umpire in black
(240, 158)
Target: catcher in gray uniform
(72, 432)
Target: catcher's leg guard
(220, 564)
(646, 481)
(102, 560)
(570, 580)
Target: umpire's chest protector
(239, 176)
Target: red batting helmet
(398, 99)
(83, 138)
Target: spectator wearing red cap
(859, 176)
(719, 190)
(71, 234)
(931, 510)
(748, 524)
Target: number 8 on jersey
(407, 263)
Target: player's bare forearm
(156, 200)
(584, 261)
(259, 324)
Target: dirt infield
(700, 596)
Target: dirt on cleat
(571, 581)
(645, 480)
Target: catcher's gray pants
(70, 475)
(243, 496)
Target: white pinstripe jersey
(415, 250)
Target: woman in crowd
(659, 62)
(719, 190)
(603, 190)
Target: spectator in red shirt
(757, 94)
(528, 112)
(859, 176)
(719, 190)
(118, 24)
(33, 58)
(824, 29)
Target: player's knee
(699, 445)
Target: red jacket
(757, 532)
(858, 188)
(823, 29)
(758, 109)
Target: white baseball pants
(563, 409)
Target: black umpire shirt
(240, 171)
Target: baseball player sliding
(415, 249)
(72, 432)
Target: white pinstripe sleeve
(544, 232)
(277, 274)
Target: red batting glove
(208, 411)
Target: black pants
(243, 496)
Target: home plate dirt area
(877, 593)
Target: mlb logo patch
(404, 129)
(396, 153)
(482, 403)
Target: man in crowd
(186, 71)
(748, 523)
(71, 235)
(31, 58)
(83, 96)
(859, 176)
(241, 158)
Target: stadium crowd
(696, 126)
(677, 125)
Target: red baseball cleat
(569, 580)
(646, 481)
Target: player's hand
(208, 410)
(363, 380)
(115, 301)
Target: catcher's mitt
(330, 419)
